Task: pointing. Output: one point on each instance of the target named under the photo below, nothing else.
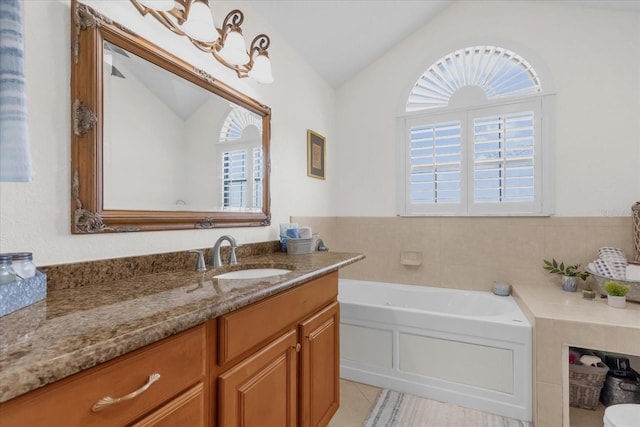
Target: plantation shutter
(505, 164)
(434, 165)
(234, 166)
(475, 162)
(504, 158)
(257, 177)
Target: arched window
(242, 162)
(497, 71)
(472, 137)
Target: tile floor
(586, 418)
(356, 401)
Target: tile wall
(469, 253)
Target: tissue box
(21, 293)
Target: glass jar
(22, 263)
(7, 275)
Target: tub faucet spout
(214, 259)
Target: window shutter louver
(435, 158)
(504, 149)
(498, 71)
(257, 177)
(234, 166)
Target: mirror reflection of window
(156, 119)
(242, 160)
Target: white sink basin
(252, 273)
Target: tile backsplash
(65, 276)
(469, 252)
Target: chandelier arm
(236, 17)
(162, 16)
(167, 22)
(186, 7)
(260, 44)
(175, 17)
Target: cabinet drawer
(188, 409)
(179, 360)
(247, 327)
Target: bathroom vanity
(180, 348)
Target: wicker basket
(299, 246)
(585, 384)
(634, 286)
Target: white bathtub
(465, 347)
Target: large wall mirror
(156, 143)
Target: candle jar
(23, 266)
(7, 275)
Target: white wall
(591, 56)
(36, 216)
(159, 150)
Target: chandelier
(193, 19)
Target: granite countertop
(78, 328)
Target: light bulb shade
(234, 50)
(160, 5)
(261, 70)
(199, 24)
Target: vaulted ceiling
(339, 38)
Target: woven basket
(585, 384)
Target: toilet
(624, 415)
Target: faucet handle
(200, 265)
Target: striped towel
(15, 158)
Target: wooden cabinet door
(261, 391)
(320, 367)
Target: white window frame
(542, 205)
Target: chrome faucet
(214, 259)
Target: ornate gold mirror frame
(89, 31)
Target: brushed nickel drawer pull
(298, 347)
(108, 401)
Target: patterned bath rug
(396, 409)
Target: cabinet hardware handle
(108, 401)
(298, 347)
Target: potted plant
(616, 293)
(569, 274)
(588, 292)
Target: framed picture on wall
(315, 154)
